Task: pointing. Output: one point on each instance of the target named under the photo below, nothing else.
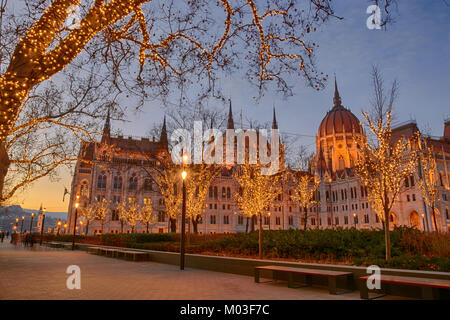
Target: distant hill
(56, 215)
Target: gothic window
(210, 192)
(224, 193)
(228, 193)
(341, 163)
(133, 182)
(117, 183)
(226, 220)
(148, 184)
(84, 191)
(101, 180)
(215, 192)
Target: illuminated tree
(384, 164)
(304, 191)
(114, 39)
(147, 215)
(102, 209)
(428, 183)
(257, 191)
(89, 214)
(198, 181)
(122, 213)
(132, 214)
(168, 177)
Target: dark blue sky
(415, 51)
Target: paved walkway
(39, 273)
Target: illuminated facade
(126, 174)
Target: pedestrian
(2, 236)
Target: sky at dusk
(415, 51)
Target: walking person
(2, 236)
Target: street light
(75, 222)
(423, 221)
(42, 225)
(59, 226)
(21, 226)
(354, 219)
(268, 213)
(17, 224)
(183, 214)
(31, 222)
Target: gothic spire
(274, 121)
(337, 99)
(107, 127)
(163, 138)
(230, 124)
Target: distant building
(126, 174)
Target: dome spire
(230, 124)
(337, 99)
(274, 121)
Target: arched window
(148, 184)
(341, 163)
(441, 178)
(133, 182)
(101, 180)
(224, 194)
(228, 193)
(215, 192)
(84, 190)
(117, 183)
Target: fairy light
(427, 183)
(303, 193)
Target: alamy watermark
(236, 146)
(374, 20)
(74, 280)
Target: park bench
(429, 287)
(308, 273)
(93, 250)
(132, 255)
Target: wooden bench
(308, 273)
(93, 250)
(430, 287)
(132, 255)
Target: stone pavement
(39, 273)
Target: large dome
(339, 119)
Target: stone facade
(126, 174)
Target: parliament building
(125, 174)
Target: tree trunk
(260, 236)
(173, 225)
(4, 167)
(246, 226)
(305, 221)
(147, 227)
(433, 213)
(252, 225)
(121, 226)
(195, 224)
(387, 237)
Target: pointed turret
(163, 138)
(230, 124)
(274, 121)
(107, 128)
(337, 99)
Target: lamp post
(59, 226)
(423, 221)
(183, 214)
(21, 226)
(31, 222)
(268, 214)
(354, 219)
(17, 224)
(75, 223)
(42, 226)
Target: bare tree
(151, 49)
(384, 163)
